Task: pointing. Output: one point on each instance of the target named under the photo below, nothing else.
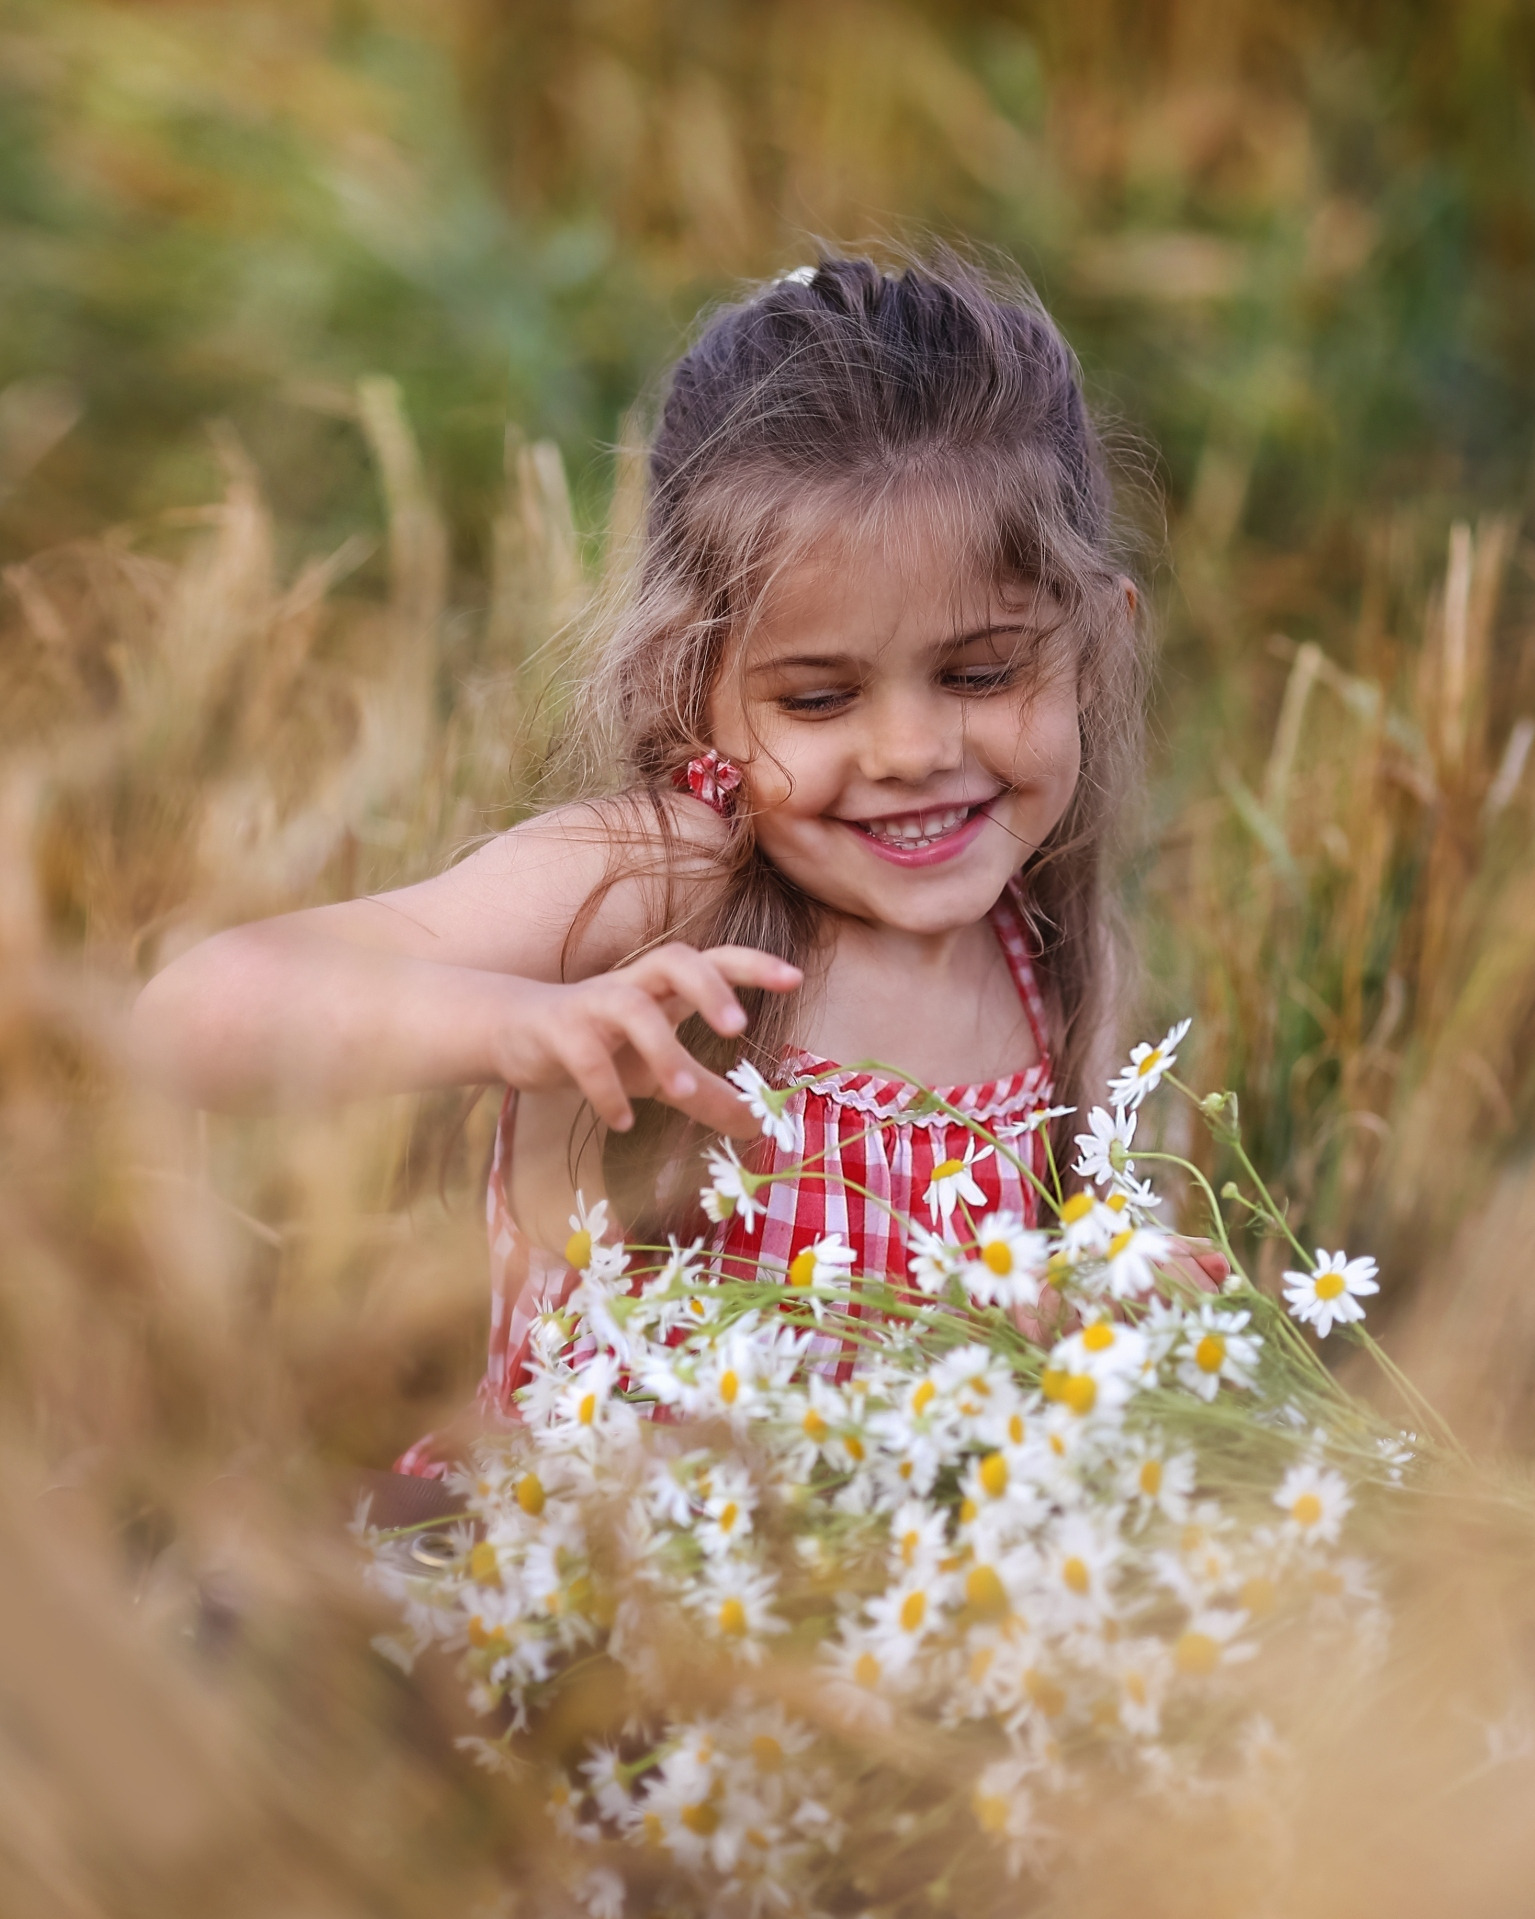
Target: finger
(703, 982)
(648, 1032)
(1215, 1264)
(590, 1065)
(717, 1105)
(750, 966)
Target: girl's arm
(457, 981)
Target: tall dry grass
(208, 1324)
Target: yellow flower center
(913, 1611)
(732, 1619)
(910, 1541)
(1076, 1208)
(854, 1445)
(578, 1248)
(1117, 1202)
(866, 1669)
(484, 1567)
(1098, 1337)
(702, 1818)
(730, 1386)
(1307, 1510)
(802, 1268)
(1135, 1688)
(1080, 1393)
(1150, 1477)
(997, 1255)
(1120, 1241)
(756, 1838)
(993, 1474)
(1016, 1429)
(1052, 1383)
(904, 1469)
(1328, 1285)
(586, 1412)
(985, 1594)
(1078, 1579)
(947, 1168)
(980, 1664)
(924, 1396)
(530, 1494)
(728, 1516)
(654, 1831)
(814, 1426)
(1196, 1653)
(1150, 1063)
(967, 1511)
(767, 1752)
(1210, 1353)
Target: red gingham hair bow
(710, 779)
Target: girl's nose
(910, 738)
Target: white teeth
(918, 830)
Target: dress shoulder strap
(1016, 939)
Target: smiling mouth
(914, 832)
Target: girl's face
(908, 736)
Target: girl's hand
(614, 1036)
(1200, 1262)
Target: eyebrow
(949, 645)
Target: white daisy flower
(1008, 1265)
(1087, 1224)
(1155, 1480)
(1330, 1295)
(734, 1602)
(1315, 1502)
(827, 1262)
(1216, 1348)
(933, 1260)
(907, 1614)
(1131, 1259)
(1104, 1149)
(1078, 1562)
(588, 1224)
(918, 1539)
(1209, 1641)
(768, 1105)
(952, 1181)
(731, 1188)
(1147, 1065)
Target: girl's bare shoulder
(566, 893)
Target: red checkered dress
(853, 1130)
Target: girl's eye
(827, 700)
(982, 679)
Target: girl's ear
(1132, 594)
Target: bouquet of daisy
(805, 1592)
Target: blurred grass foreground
(319, 333)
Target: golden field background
(319, 333)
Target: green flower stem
(1411, 1395)
(1219, 1224)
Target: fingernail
(733, 1020)
(683, 1084)
(623, 1125)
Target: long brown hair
(822, 399)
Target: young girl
(852, 750)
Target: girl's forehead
(901, 576)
